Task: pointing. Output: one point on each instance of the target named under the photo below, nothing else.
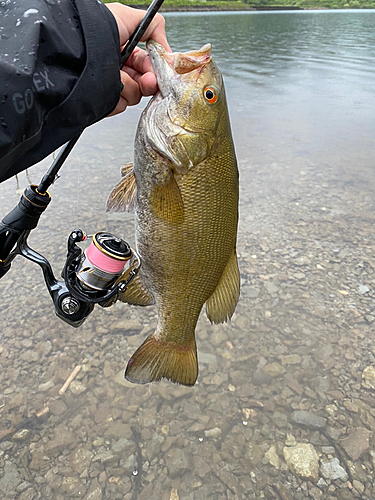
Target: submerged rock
(95, 491)
(80, 459)
(176, 462)
(274, 369)
(368, 377)
(331, 469)
(11, 478)
(308, 419)
(302, 460)
(273, 457)
(356, 443)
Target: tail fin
(156, 359)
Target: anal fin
(222, 303)
(123, 195)
(136, 294)
(156, 359)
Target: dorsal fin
(123, 195)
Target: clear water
(301, 89)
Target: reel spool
(103, 261)
(100, 273)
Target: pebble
(23, 486)
(94, 492)
(46, 386)
(362, 289)
(291, 359)
(274, 369)
(80, 459)
(273, 457)
(22, 434)
(214, 432)
(328, 450)
(11, 478)
(73, 487)
(207, 358)
(28, 494)
(63, 439)
(176, 462)
(76, 387)
(368, 377)
(103, 457)
(358, 486)
(331, 469)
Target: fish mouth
(171, 66)
(167, 127)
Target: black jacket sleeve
(59, 73)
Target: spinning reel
(97, 275)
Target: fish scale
(186, 205)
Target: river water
(284, 406)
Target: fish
(184, 188)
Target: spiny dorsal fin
(166, 201)
(126, 169)
(156, 359)
(124, 194)
(137, 294)
(222, 303)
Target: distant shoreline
(217, 8)
(242, 8)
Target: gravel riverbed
(284, 406)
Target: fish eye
(210, 95)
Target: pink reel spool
(103, 261)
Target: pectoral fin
(222, 303)
(137, 294)
(166, 201)
(124, 194)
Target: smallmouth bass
(184, 188)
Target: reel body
(100, 273)
(96, 276)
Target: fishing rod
(97, 275)
(133, 41)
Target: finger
(128, 20)
(120, 107)
(140, 61)
(131, 91)
(147, 82)
(156, 31)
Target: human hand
(137, 76)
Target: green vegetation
(254, 4)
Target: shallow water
(300, 87)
